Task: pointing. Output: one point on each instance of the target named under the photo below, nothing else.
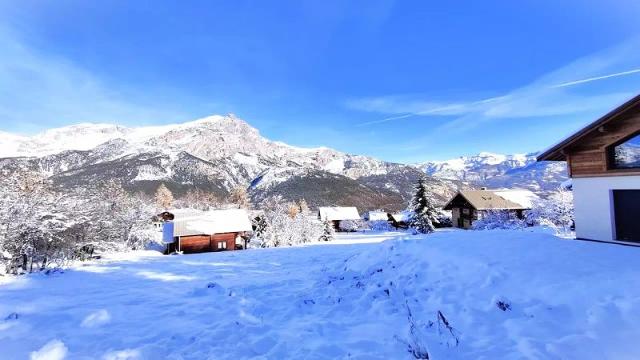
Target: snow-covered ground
(453, 294)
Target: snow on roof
(338, 213)
(402, 216)
(377, 216)
(211, 222)
(496, 199)
(522, 197)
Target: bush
(352, 225)
(380, 225)
(498, 219)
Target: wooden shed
(603, 160)
(192, 231)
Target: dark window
(626, 155)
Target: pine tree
(164, 197)
(327, 233)
(425, 213)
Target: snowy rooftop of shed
(338, 213)
(211, 222)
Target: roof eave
(556, 152)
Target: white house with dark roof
(603, 160)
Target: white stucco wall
(594, 205)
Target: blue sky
(400, 80)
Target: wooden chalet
(190, 231)
(469, 205)
(400, 220)
(603, 160)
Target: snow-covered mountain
(500, 171)
(215, 154)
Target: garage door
(626, 205)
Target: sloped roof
(402, 216)
(496, 200)
(522, 197)
(333, 213)
(377, 215)
(555, 153)
(212, 222)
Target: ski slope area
(451, 295)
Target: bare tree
(240, 198)
(164, 197)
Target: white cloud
(43, 88)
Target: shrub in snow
(380, 225)
(47, 228)
(351, 225)
(425, 213)
(277, 226)
(498, 219)
(555, 212)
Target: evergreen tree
(425, 213)
(327, 233)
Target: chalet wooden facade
(603, 160)
(190, 231)
(468, 206)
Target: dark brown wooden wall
(588, 157)
(206, 243)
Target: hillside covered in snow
(216, 154)
(500, 171)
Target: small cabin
(192, 231)
(400, 220)
(335, 214)
(469, 205)
(603, 160)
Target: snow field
(453, 294)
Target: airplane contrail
(576, 82)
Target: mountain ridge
(214, 154)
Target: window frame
(611, 155)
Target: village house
(603, 160)
(335, 214)
(400, 220)
(469, 205)
(192, 231)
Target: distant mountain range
(500, 171)
(220, 153)
(215, 154)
